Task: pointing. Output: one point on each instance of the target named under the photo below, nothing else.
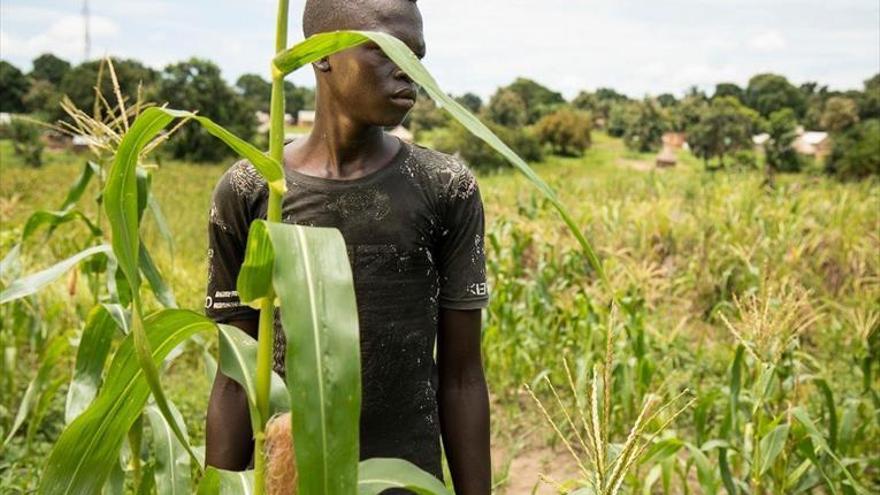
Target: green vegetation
(687, 256)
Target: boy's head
(361, 82)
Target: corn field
(669, 332)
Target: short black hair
(322, 16)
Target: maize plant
(291, 265)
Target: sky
(637, 47)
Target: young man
(412, 220)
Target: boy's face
(366, 84)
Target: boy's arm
(463, 401)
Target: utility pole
(88, 44)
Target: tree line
(193, 83)
(532, 118)
(719, 128)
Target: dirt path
(519, 468)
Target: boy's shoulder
(242, 180)
(449, 174)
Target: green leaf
(76, 190)
(55, 218)
(163, 292)
(312, 277)
(49, 360)
(771, 446)
(218, 481)
(705, 471)
(831, 408)
(238, 360)
(161, 222)
(94, 346)
(378, 475)
(172, 460)
(804, 419)
(323, 44)
(661, 450)
(87, 449)
(31, 284)
(10, 265)
(255, 276)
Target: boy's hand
(463, 401)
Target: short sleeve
(228, 226)
(462, 261)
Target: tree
(566, 130)
(645, 126)
(600, 103)
(782, 128)
(667, 100)
(726, 126)
(48, 67)
(79, 83)
(507, 108)
(196, 84)
(768, 93)
(425, 115)
(43, 98)
(478, 154)
(539, 100)
(687, 113)
(856, 152)
(728, 89)
(869, 102)
(470, 101)
(256, 91)
(13, 87)
(840, 113)
(620, 116)
(26, 141)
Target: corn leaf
(312, 278)
(40, 383)
(162, 291)
(88, 448)
(377, 475)
(705, 471)
(219, 481)
(255, 276)
(324, 44)
(238, 360)
(813, 431)
(771, 446)
(53, 219)
(94, 346)
(31, 284)
(90, 169)
(172, 469)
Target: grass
(690, 249)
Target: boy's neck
(340, 148)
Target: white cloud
(768, 41)
(64, 37)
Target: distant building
(666, 158)
(813, 143)
(305, 118)
(674, 140)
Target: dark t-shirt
(414, 233)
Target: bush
(856, 153)
(26, 141)
(645, 126)
(567, 131)
(745, 160)
(479, 155)
(782, 127)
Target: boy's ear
(322, 65)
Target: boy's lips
(404, 94)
